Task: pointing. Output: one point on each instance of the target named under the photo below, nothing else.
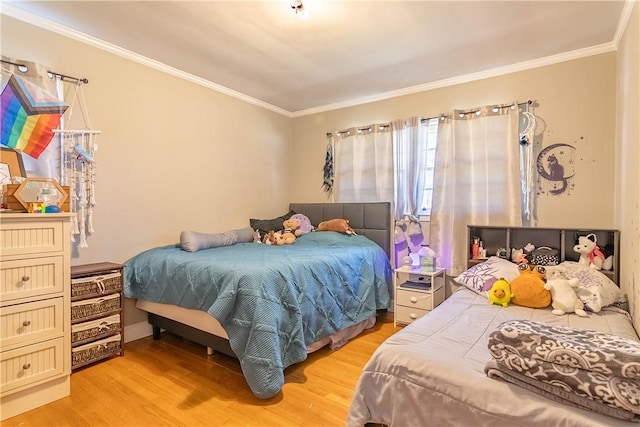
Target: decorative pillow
(337, 224)
(595, 289)
(264, 226)
(480, 277)
(191, 241)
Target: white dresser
(35, 321)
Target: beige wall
(576, 105)
(172, 155)
(627, 161)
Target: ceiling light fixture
(299, 9)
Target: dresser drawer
(30, 322)
(30, 364)
(31, 277)
(408, 314)
(19, 237)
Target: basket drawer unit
(31, 322)
(94, 329)
(32, 277)
(29, 364)
(87, 287)
(94, 307)
(96, 350)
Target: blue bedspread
(273, 301)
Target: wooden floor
(173, 382)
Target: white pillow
(595, 289)
(481, 277)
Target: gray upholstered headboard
(372, 220)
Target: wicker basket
(94, 307)
(96, 285)
(96, 350)
(95, 328)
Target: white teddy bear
(591, 255)
(564, 298)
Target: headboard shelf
(563, 239)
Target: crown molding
(467, 78)
(63, 30)
(624, 20)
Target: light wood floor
(173, 382)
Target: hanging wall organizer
(79, 169)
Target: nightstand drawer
(30, 364)
(31, 277)
(408, 314)
(421, 300)
(29, 322)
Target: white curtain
(476, 180)
(410, 155)
(363, 165)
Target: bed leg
(209, 351)
(156, 332)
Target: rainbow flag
(28, 113)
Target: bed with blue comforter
(272, 301)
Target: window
(432, 138)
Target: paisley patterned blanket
(588, 369)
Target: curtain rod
(526, 103)
(63, 77)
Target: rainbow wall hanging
(28, 115)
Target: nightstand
(416, 292)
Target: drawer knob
(25, 278)
(413, 316)
(26, 323)
(413, 300)
(26, 366)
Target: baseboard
(137, 331)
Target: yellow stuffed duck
(500, 293)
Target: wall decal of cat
(556, 168)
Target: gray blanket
(588, 369)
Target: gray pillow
(191, 241)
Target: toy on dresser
(591, 254)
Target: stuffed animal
(528, 288)
(591, 254)
(500, 293)
(519, 256)
(338, 224)
(564, 298)
(288, 236)
(305, 224)
(271, 238)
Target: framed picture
(10, 165)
